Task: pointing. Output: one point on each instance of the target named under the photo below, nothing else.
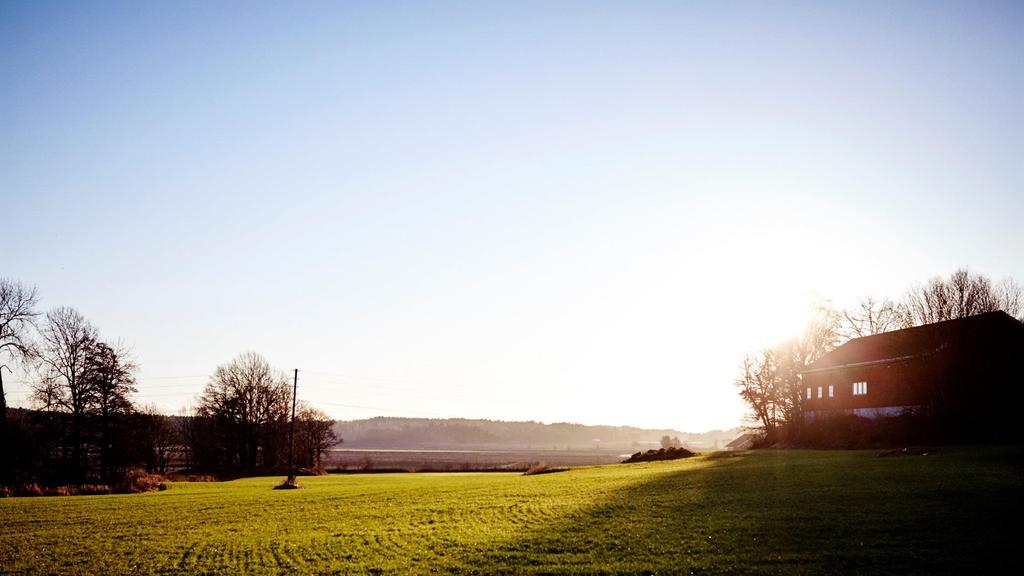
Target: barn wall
(971, 384)
(896, 384)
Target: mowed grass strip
(772, 512)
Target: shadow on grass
(788, 513)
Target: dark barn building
(966, 375)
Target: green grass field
(801, 512)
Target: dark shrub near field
(852, 432)
(138, 480)
(132, 481)
(542, 468)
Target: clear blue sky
(530, 210)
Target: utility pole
(3, 420)
(3, 427)
(291, 429)
(3, 407)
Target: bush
(849, 432)
(89, 489)
(537, 468)
(136, 483)
(138, 480)
(31, 489)
(542, 468)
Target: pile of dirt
(288, 484)
(660, 454)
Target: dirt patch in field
(660, 454)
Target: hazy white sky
(551, 211)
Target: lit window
(808, 393)
(819, 391)
(860, 388)
(831, 391)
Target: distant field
(955, 511)
(460, 460)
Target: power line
(343, 381)
(152, 387)
(321, 377)
(378, 408)
(382, 392)
(351, 377)
(375, 388)
(166, 389)
(346, 382)
(177, 377)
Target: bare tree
(314, 435)
(67, 340)
(759, 387)
(1011, 298)
(821, 335)
(163, 437)
(671, 442)
(110, 376)
(250, 401)
(770, 380)
(790, 357)
(872, 317)
(17, 319)
(962, 294)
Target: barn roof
(901, 345)
(745, 439)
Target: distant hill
(460, 433)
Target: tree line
(391, 431)
(769, 380)
(85, 426)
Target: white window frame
(820, 393)
(831, 391)
(808, 393)
(860, 388)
